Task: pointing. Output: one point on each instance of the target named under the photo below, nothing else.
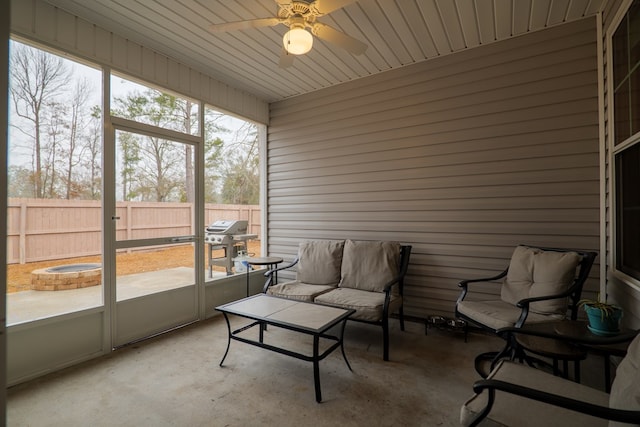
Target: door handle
(183, 239)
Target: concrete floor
(174, 380)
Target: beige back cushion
(534, 272)
(369, 265)
(625, 391)
(319, 262)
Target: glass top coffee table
(303, 317)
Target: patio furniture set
(340, 280)
(336, 280)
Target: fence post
(250, 213)
(192, 218)
(22, 240)
(129, 226)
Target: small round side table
(270, 261)
(556, 350)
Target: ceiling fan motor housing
(299, 9)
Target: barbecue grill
(230, 235)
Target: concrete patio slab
(32, 305)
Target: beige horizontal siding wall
(462, 157)
(46, 24)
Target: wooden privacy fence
(44, 229)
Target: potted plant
(604, 318)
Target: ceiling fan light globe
(297, 41)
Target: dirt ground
(19, 275)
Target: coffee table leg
(316, 368)
(228, 339)
(344, 355)
(262, 327)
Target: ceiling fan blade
(286, 59)
(328, 6)
(330, 34)
(244, 25)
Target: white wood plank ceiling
(397, 32)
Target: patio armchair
(539, 285)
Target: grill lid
(228, 227)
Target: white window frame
(613, 150)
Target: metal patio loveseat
(367, 276)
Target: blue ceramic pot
(601, 323)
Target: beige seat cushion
(368, 305)
(497, 314)
(625, 390)
(320, 262)
(511, 410)
(369, 266)
(298, 290)
(534, 272)
(317, 271)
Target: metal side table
(270, 261)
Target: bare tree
(94, 149)
(241, 183)
(155, 168)
(129, 151)
(50, 148)
(76, 126)
(36, 79)
(214, 129)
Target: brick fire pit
(63, 277)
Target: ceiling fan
(299, 15)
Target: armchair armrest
(270, 274)
(392, 282)
(524, 303)
(465, 283)
(405, 253)
(605, 412)
(398, 280)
